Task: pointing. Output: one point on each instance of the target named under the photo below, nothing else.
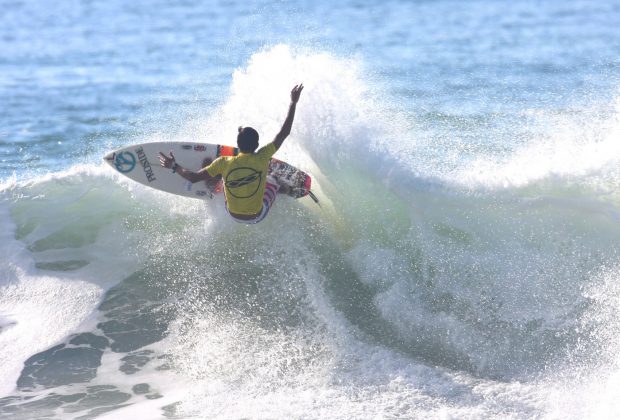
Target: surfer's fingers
(162, 156)
(164, 160)
(296, 92)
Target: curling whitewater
(414, 291)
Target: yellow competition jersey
(244, 177)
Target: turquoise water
(464, 260)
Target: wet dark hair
(247, 139)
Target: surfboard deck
(140, 162)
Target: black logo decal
(243, 177)
(125, 162)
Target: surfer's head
(247, 139)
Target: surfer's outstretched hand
(296, 92)
(166, 161)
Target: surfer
(248, 189)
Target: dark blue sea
(464, 262)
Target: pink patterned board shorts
(271, 191)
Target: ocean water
(464, 262)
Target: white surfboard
(140, 162)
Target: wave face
(424, 285)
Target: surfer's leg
(271, 191)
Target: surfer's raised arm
(288, 123)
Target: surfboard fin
(313, 197)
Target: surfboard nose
(109, 158)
